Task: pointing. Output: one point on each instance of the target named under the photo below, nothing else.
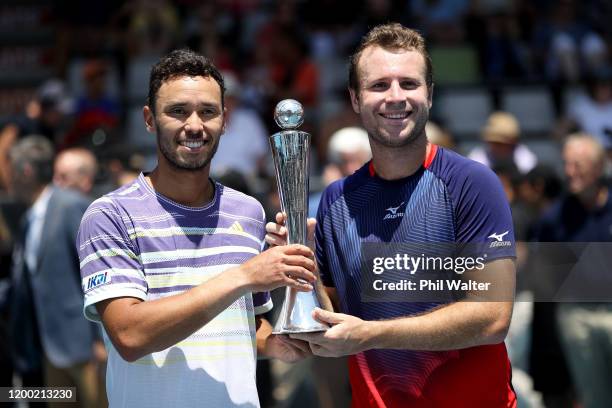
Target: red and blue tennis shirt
(450, 199)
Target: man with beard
(171, 264)
(406, 349)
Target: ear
(355, 100)
(224, 126)
(430, 96)
(149, 119)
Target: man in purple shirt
(171, 264)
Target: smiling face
(189, 121)
(393, 100)
(583, 165)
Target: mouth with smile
(395, 115)
(193, 145)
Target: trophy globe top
(289, 114)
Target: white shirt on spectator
(244, 142)
(593, 118)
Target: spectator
(538, 189)
(504, 54)
(347, 151)
(283, 69)
(343, 117)
(439, 136)
(53, 343)
(584, 214)
(75, 168)
(10, 213)
(501, 136)
(245, 141)
(95, 109)
(153, 26)
(292, 73)
(570, 48)
(119, 165)
(441, 20)
(592, 112)
(46, 115)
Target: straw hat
(501, 127)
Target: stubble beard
(172, 157)
(417, 131)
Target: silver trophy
(291, 148)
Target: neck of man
(191, 188)
(392, 163)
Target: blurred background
(512, 79)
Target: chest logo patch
(394, 212)
(236, 227)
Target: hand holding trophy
(291, 149)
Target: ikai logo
(393, 212)
(499, 240)
(97, 280)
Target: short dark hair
(179, 63)
(37, 152)
(392, 36)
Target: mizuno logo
(498, 237)
(499, 240)
(393, 212)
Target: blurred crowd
(81, 96)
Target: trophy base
(298, 330)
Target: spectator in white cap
(347, 151)
(501, 135)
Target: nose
(194, 124)
(571, 169)
(395, 93)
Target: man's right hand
(290, 265)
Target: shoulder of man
(71, 203)
(246, 204)
(453, 167)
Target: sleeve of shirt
(262, 301)
(109, 264)
(482, 214)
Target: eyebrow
(384, 79)
(174, 104)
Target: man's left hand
(347, 335)
(286, 349)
